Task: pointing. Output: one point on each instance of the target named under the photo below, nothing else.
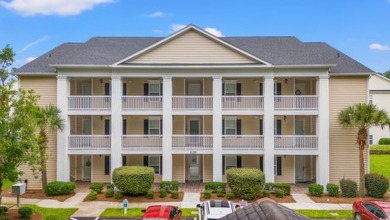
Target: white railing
(192, 102)
(142, 102)
(193, 141)
(300, 102)
(242, 141)
(296, 142)
(89, 102)
(242, 102)
(89, 142)
(129, 141)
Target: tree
(48, 120)
(387, 74)
(363, 116)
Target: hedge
(170, 185)
(97, 187)
(60, 188)
(348, 188)
(384, 141)
(333, 189)
(380, 149)
(245, 183)
(316, 189)
(214, 186)
(376, 185)
(272, 187)
(134, 180)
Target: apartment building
(192, 105)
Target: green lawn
(7, 184)
(329, 214)
(53, 214)
(380, 164)
(137, 212)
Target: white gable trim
(192, 27)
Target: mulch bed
(131, 199)
(327, 199)
(13, 214)
(285, 199)
(37, 194)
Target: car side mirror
(179, 211)
(198, 206)
(143, 210)
(238, 206)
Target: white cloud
(29, 59)
(381, 47)
(157, 31)
(51, 7)
(214, 31)
(176, 27)
(156, 14)
(28, 46)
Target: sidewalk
(302, 201)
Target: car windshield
(388, 213)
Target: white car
(215, 209)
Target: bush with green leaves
(384, 141)
(349, 188)
(97, 187)
(174, 194)
(230, 195)
(134, 180)
(316, 189)
(376, 185)
(110, 186)
(380, 149)
(266, 193)
(333, 189)
(4, 218)
(170, 185)
(3, 209)
(118, 195)
(25, 212)
(150, 194)
(284, 186)
(220, 192)
(207, 194)
(60, 188)
(279, 193)
(163, 193)
(269, 186)
(246, 183)
(92, 195)
(109, 193)
(214, 186)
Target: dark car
(370, 210)
(162, 212)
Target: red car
(370, 210)
(162, 212)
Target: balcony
(242, 102)
(242, 142)
(296, 142)
(188, 143)
(142, 102)
(190, 103)
(89, 102)
(130, 142)
(89, 143)
(293, 102)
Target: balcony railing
(193, 141)
(242, 142)
(89, 142)
(293, 102)
(296, 142)
(192, 102)
(144, 141)
(142, 102)
(89, 102)
(242, 102)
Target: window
(154, 125)
(278, 166)
(370, 99)
(154, 88)
(278, 127)
(230, 125)
(278, 89)
(106, 165)
(107, 125)
(230, 88)
(370, 139)
(154, 162)
(230, 162)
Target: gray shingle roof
(275, 50)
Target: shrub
(380, 149)
(279, 193)
(92, 195)
(266, 193)
(4, 218)
(110, 186)
(207, 194)
(163, 193)
(214, 186)
(376, 185)
(25, 212)
(134, 180)
(269, 186)
(150, 194)
(245, 183)
(220, 192)
(230, 195)
(333, 189)
(169, 185)
(174, 194)
(118, 195)
(97, 187)
(348, 188)
(3, 209)
(60, 188)
(316, 189)
(109, 193)
(384, 141)
(284, 186)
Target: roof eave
(35, 73)
(352, 74)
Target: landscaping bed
(141, 198)
(13, 214)
(327, 199)
(285, 199)
(37, 194)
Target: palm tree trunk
(1, 190)
(43, 157)
(361, 172)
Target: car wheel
(358, 217)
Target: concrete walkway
(302, 201)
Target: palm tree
(48, 119)
(363, 116)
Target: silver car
(215, 209)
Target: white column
(167, 128)
(116, 122)
(269, 152)
(63, 166)
(322, 163)
(217, 128)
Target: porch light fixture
(284, 118)
(101, 81)
(285, 81)
(101, 117)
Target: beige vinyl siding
(73, 171)
(287, 125)
(310, 167)
(98, 170)
(79, 164)
(250, 161)
(181, 122)
(287, 170)
(179, 86)
(135, 86)
(192, 47)
(343, 152)
(207, 168)
(138, 160)
(178, 167)
(46, 88)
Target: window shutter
(223, 88)
(106, 88)
(161, 165)
(124, 126)
(223, 126)
(146, 161)
(161, 89)
(278, 127)
(278, 166)
(223, 165)
(107, 165)
(124, 89)
(161, 126)
(107, 126)
(124, 160)
(146, 126)
(239, 162)
(261, 163)
(238, 124)
(146, 89)
(261, 127)
(238, 88)
(261, 89)
(278, 88)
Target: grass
(380, 164)
(137, 212)
(7, 184)
(49, 213)
(328, 214)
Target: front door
(299, 168)
(87, 164)
(194, 89)
(87, 126)
(86, 88)
(299, 126)
(194, 126)
(194, 140)
(193, 167)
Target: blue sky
(359, 28)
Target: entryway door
(87, 164)
(194, 167)
(299, 168)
